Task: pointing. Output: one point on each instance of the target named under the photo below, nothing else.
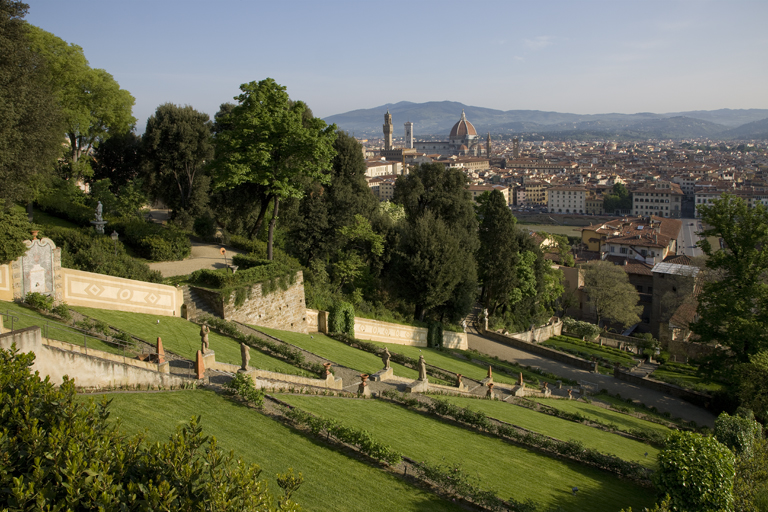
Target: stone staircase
(196, 305)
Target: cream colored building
(478, 190)
(567, 200)
(376, 168)
(662, 199)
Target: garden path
(203, 255)
(664, 403)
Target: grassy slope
(57, 330)
(562, 429)
(562, 342)
(501, 466)
(623, 422)
(332, 481)
(338, 352)
(686, 380)
(183, 338)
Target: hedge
(341, 318)
(153, 241)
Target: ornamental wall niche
(38, 270)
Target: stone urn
(364, 377)
(327, 367)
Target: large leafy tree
(14, 229)
(272, 146)
(30, 120)
(440, 217)
(177, 145)
(92, 103)
(618, 199)
(611, 294)
(733, 303)
(118, 159)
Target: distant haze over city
(436, 118)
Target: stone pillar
(160, 351)
(199, 366)
(209, 358)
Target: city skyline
(575, 57)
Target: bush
(435, 335)
(243, 386)
(154, 241)
(282, 275)
(62, 311)
(341, 318)
(39, 301)
(64, 199)
(83, 249)
(62, 453)
(579, 328)
(697, 472)
(246, 261)
(739, 433)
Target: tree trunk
(272, 228)
(260, 219)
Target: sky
(575, 56)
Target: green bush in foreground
(57, 453)
(697, 472)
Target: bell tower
(409, 134)
(488, 146)
(388, 128)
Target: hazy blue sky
(583, 57)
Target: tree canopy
(733, 303)
(31, 126)
(272, 145)
(435, 267)
(177, 145)
(611, 294)
(93, 105)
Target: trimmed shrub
(246, 261)
(738, 433)
(435, 335)
(243, 387)
(62, 311)
(579, 328)
(39, 301)
(154, 241)
(341, 318)
(222, 279)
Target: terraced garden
(509, 470)
(587, 349)
(338, 352)
(332, 480)
(183, 338)
(623, 422)
(562, 429)
(685, 376)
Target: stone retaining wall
(386, 332)
(257, 375)
(542, 333)
(92, 369)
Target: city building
(567, 200)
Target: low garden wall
(275, 379)
(93, 369)
(694, 397)
(386, 332)
(543, 333)
(115, 293)
(540, 350)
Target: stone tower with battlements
(388, 128)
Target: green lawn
(685, 379)
(332, 481)
(446, 360)
(562, 429)
(623, 422)
(338, 352)
(554, 229)
(43, 219)
(509, 470)
(183, 338)
(497, 364)
(52, 328)
(588, 349)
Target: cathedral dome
(463, 127)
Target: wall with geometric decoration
(107, 292)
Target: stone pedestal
(383, 374)
(99, 225)
(418, 386)
(209, 358)
(164, 367)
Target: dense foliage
(14, 229)
(697, 473)
(30, 119)
(59, 453)
(610, 293)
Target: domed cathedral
(462, 141)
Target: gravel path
(203, 256)
(664, 403)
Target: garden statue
(204, 330)
(245, 354)
(385, 356)
(422, 368)
(99, 210)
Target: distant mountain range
(436, 118)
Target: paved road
(686, 242)
(675, 406)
